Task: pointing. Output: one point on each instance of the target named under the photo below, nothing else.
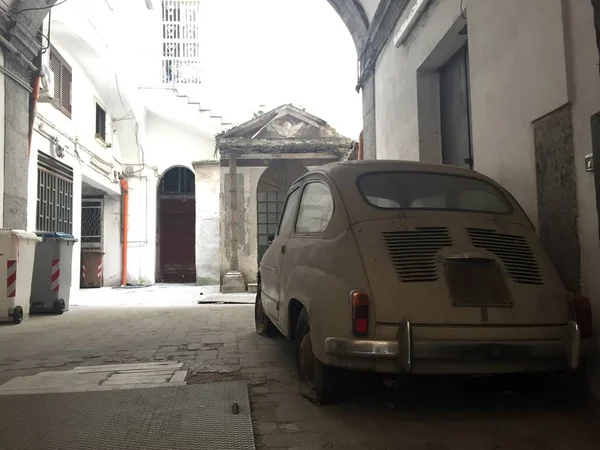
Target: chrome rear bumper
(405, 350)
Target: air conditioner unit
(46, 85)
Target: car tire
(264, 326)
(314, 378)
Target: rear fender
(327, 301)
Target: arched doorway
(272, 188)
(177, 226)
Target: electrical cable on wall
(40, 8)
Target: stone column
(233, 213)
(233, 280)
(369, 119)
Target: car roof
(354, 168)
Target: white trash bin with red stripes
(51, 287)
(17, 253)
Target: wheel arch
(295, 307)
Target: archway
(176, 233)
(271, 191)
(351, 12)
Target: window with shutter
(63, 80)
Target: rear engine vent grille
(513, 251)
(413, 252)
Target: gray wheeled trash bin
(51, 287)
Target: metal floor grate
(182, 417)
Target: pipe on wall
(125, 212)
(361, 148)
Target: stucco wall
(141, 242)
(111, 229)
(208, 181)
(165, 145)
(517, 69)
(77, 136)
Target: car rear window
(432, 191)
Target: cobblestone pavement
(218, 343)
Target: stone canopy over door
(266, 155)
(270, 197)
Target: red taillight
(360, 313)
(582, 309)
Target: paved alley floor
(216, 342)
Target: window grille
(54, 196)
(181, 47)
(91, 224)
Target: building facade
(96, 125)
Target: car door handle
(283, 249)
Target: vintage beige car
(409, 268)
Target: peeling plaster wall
(247, 180)
(557, 193)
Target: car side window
(289, 211)
(316, 209)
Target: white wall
(518, 74)
(509, 88)
(111, 229)
(166, 145)
(169, 144)
(141, 242)
(208, 182)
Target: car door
(270, 266)
(314, 214)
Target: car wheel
(313, 376)
(264, 326)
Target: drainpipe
(361, 148)
(125, 212)
(35, 96)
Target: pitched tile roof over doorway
(284, 122)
